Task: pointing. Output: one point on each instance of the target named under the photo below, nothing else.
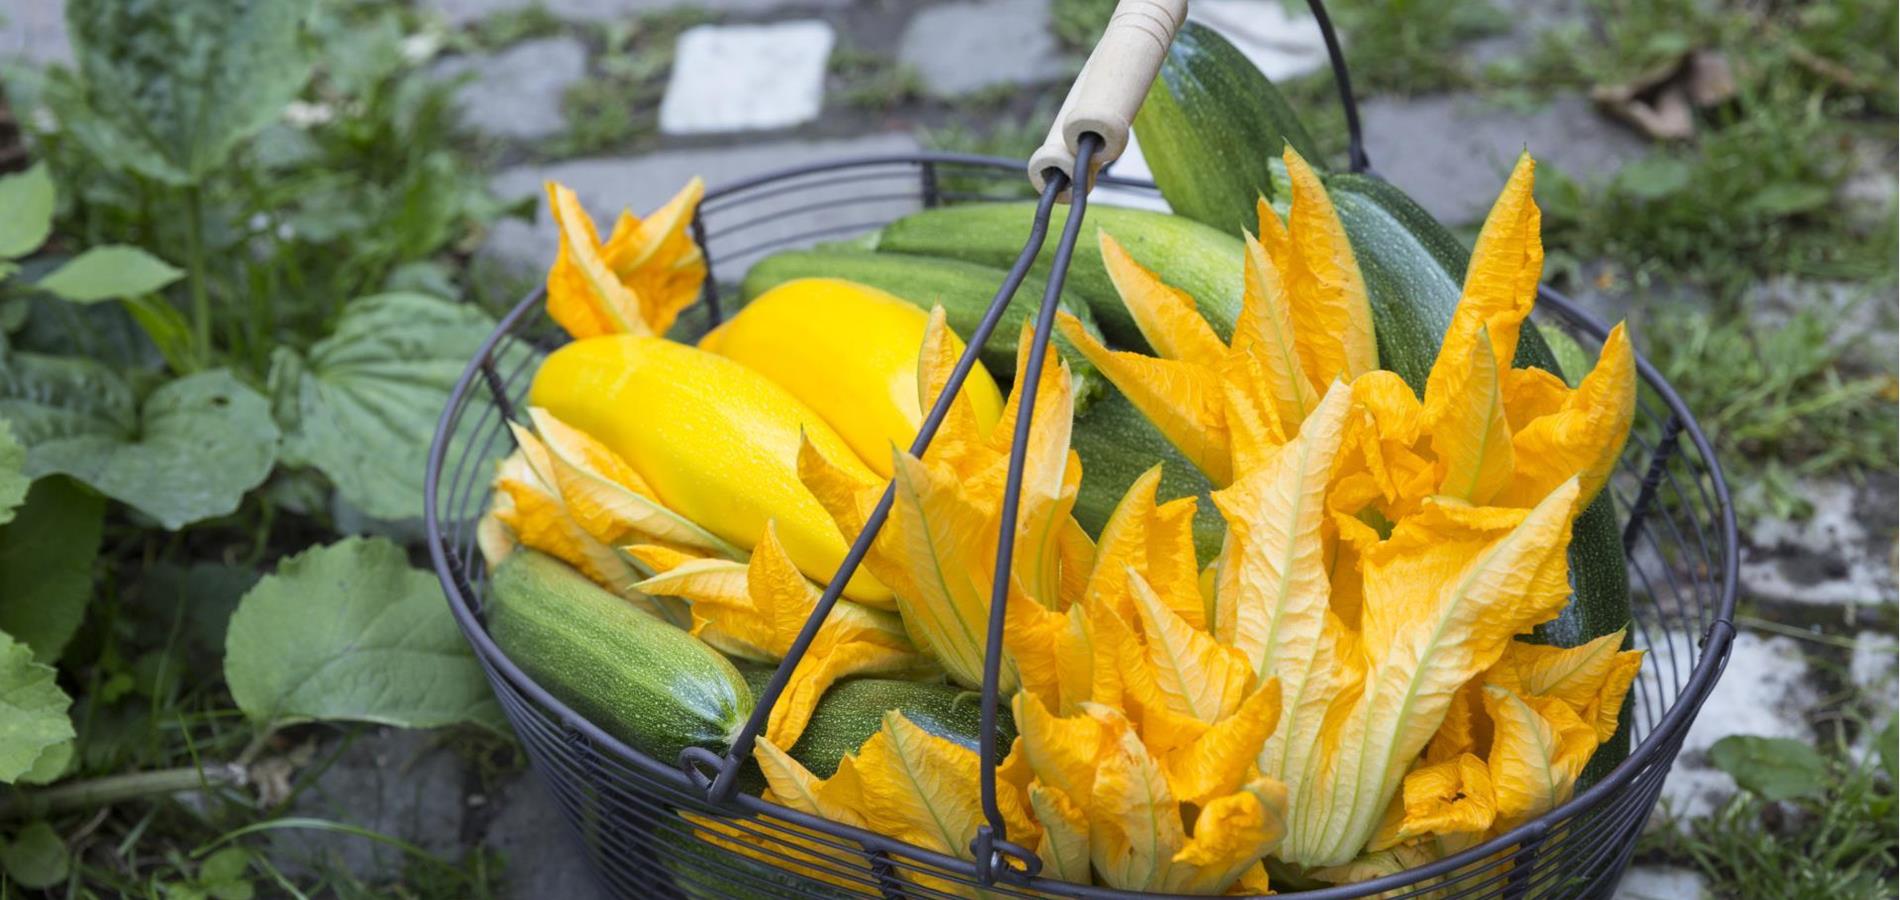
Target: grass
(872, 82)
(1782, 400)
(617, 106)
(1805, 826)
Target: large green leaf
(1774, 768)
(108, 273)
(13, 479)
(350, 631)
(36, 858)
(188, 79)
(34, 726)
(46, 557)
(195, 447)
(363, 406)
(28, 201)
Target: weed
(873, 82)
(1776, 399)
(1078, 23)
(1805, 826)
(1412, 46)
(618, 106)
(510, 26)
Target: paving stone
(747, 77)
(399, 783)
(34, 31)
(1765, 691)
(544, 858)
(1452, 152)
(1284, 42)
(1831, 557)
(958, 48)
(1875, 668)
(517, 92)
(462, 12)
(1662, 883)
(606, 185)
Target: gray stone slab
(517, 92)
(544, 858)
(747, 77)
(1662, 883)
(1452, 152)
(398, 783)
(958, 48)
(1832, 557)
(461, 12)
(738, 235)
(34, 31)
(1766, 691)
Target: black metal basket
(645, 822)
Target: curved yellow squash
(850, 352)
(715, 440)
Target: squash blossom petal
(1585, 436)
(637, 281)
(755, 610)
(1538, 748)
(1332, 312)
(1443, 597)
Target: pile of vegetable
(1290, 622)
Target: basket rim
(1716, 640)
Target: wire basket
(647, 825)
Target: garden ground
(1753, 253)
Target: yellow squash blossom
(754, 610)
(1305, 322)
(638, 280)
(937, 551)
(908, 784)
(532, 511)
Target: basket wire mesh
(648, 826)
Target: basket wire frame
(650, 829)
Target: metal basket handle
(1090, 131)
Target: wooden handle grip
(1112, 85)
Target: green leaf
(33, 720)
(13, 480)
(351, 632)
(46, 558)
(1774, 768)
(363, 407)
(189, 79)
(199, 443)
(28, 201)
(36, 858)
(223, 875)
(169, 330)
(1785, 199)
(108, 273)
(1654, 177)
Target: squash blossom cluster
(1342, 693)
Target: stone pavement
(757, 87)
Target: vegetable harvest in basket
(1343, 691)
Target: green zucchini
(1210, 162)
(963, 289)
(1117, 444)
(1196, 258)
(640, 679)
(853, 709)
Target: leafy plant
(165, 428)
(1805, 824)
(1777, 399)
